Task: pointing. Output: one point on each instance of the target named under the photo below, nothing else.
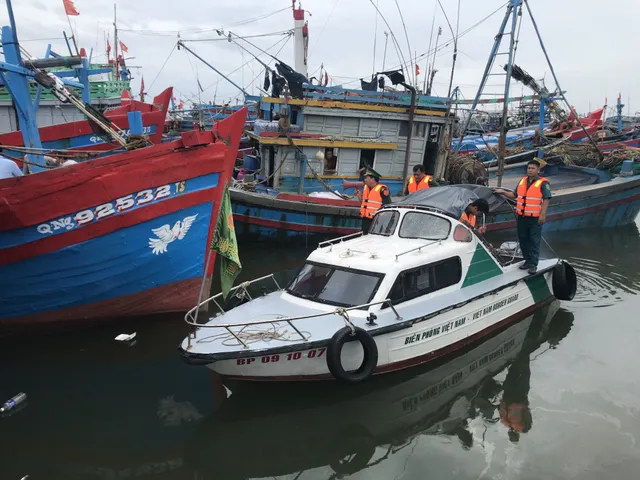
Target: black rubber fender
(334, 351)
(564, 281)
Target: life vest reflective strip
(424, 183)
(371, 201)
(529, 201)
(469, 217)
(512, 415)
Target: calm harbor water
(101, 410)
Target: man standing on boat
(419, 181)
(375, 195)
(532, 199)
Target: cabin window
(425, 226)
(427, 279)
(384, 223)
(419, 129)
(367, 160)
(335, 286)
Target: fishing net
(466, 169)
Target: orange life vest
(424, 183)
(513, 415)
(529, 201)
(469, 218)
(371, 201)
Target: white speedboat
(420, 285)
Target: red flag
(326, 79)
(123, 47)
(417, 69)
(108, 47)
(70, 8)
(142, 86)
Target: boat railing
(193, 313)
(333, 241)
(342, 311)
(417, 248)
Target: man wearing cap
(375, 195)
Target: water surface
(101, 410)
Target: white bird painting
(167, 235)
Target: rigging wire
(375, 42)
(161, 33)
(250, 60)
(393, 36)
(226, 39)
(450, 41)
(406, 36)
(323, 27)
(163, 65)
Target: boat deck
(563, 180)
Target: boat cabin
(334, 133)
(409, 253)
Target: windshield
(384, 223)
(424, 225)
(326, 284)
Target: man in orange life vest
(532, 199)
(375, 195)
(471, 212)
(419, 181)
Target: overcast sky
(592, 44)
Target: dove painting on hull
(119, 236)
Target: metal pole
(12, 21)
(560, 91)
(115, 42)
(485, 76)
(407, 155)
(73, 36)
(502, 143)
(384, 57)
(181, 44)
(455, 53)
(543, 103)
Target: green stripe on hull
(539, 288)
(482, 267)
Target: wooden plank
(324, 143)
(350, 106)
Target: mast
(115, 42)
(301, 39)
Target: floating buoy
(334, 351)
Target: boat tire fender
(564, 281)
(334, 351)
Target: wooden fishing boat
(116, 236)
(419, 285)
(81, 136)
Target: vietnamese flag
(417, 70)
(123, 47)
(70, 8)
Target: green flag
(224, 242)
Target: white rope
(249, 336)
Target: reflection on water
(294, 428)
